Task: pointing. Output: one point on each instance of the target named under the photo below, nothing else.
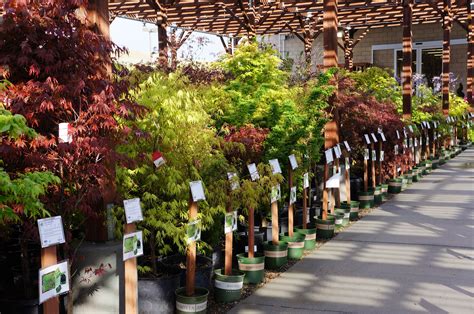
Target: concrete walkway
(413, 254)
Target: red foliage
(59, 70)
(252, 138)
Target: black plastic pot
(356, 187)
(20, 306)
(156, 295)
(173, 264)
(241, 241)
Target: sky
(140, 39)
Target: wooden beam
(470, 57)
(407, 57)
(330, 33)
(447, 25)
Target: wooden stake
(366, 172)
(305, 207)
(191, 256)
(373, 165)
(325, 193)
(131, 279)
(380, 161)
(290, 206)
(407, 57)
(348, 183)
(337, 191)
(251, 233)
(228, 243)
(48, 258)
(275, 237)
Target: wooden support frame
(470, 56)
(48, 258)
(131, 278)
(191, 253)
(407, 57)
(447, 25)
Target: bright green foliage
(14, 125)
(457, 106)
(177, 125)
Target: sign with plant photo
(275, 166)
(53, 281)
(132, 245)
(197, 191)
(329, 156)
(293, 195)
(253, 172)
(193, 231)
(374, 155)
(230, 222)
(293, 162)
(234, 180)
(51, 231)
(276, 193)
(306, 180)
(133, 210)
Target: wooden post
(470, 55)
(347, 178)
(337, 191)
(380, 161)
(366, 172)
(48, 258)
(191, 256)
(407, 58)
(131, 278)
(251, 233)
(228, 241)
(305, 207)
(290, 206)
(447, 24)
(372, 148)
(275, 236)
(330, 139)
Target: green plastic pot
(442, 161)
(423, 168)
(395, 186)
(416, 174)
(310, 236)
(338, 222)
(366, 199)
(429, 166)
(435, 163)
(384, 192)
(193, 304)
(275, 255)
(409, 176)
(404, 182)
(325, 227)
(354, 210)
(295, 244)
(346, 212)
(228, 288)
(253, 268)
(378, 195)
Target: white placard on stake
(395, 149)
(275, 194)
(398, 134)
(366, 154)
(411, 128)
(383, 137)
(305, 180)
(193, 231)
(293, 162)
(374, 155)
(230, 222)
(347, 163)
(382, 155)
(132, 245)
(348, 148)
(374, 137)
(197, 191)
(133, 210)
(158, 159)
(275, 166)
(53, 281)
(64, 133)
(367, 139)
(253, 172)
(337, 151)
(293, 195)
(329, 156)
(51, 231)
(234, 181)
(334, 181)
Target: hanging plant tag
(347, 163)
(133, 210)
(276, 194)
(53, 281)
(158, 159)
(416, 142)
(366, 154)
(337, 151)
(395, 149)
(293, 162)
(383, 137)
(367, 139)
(411, 128)
(374, 138)
(132, 245)
(348, 148)
(193, 231)
(64, 133)
(398, 135)
(230, 222)
(51, 231)
(382, 155)
(253, 172)
(329, 157)
(405, 133)
(275, 166)
(197, 191)
(409, 142)
(293, 195)
(374, 155)
(305, 180)
(234, 180)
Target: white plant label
(132, 245)
(337, 151)
(275, 166)
(395, 149)
(158, 159)
(293, 195)
(347, 163)
(374, 155)
(348, 148)
(276, 193)
(367, 139)
(234, 180)
(411, 128)
(416, 142)
(305, 180)
(293, 162)
(329, 157)
(366, 154)
(193, 231)
(398, 134)
(133, 210)
(374, 137)
(53, 281)
(405, 132)
(197, 191)
(64, 133)
(51, 231)
(230, 222)
(382, 155)
(253, 172)
(333, 181)
(383, 137)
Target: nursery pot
(228, 288)
(275, 255)
(434, 163)
(354, 209)
(366, 199)
(193, 304)
(310, 236)
(423, 168)
(395, 186)
(253, 268)
(295, 244)
(384, 192)
(174, 263)
(346, 212)
(325, 227)
(429, 166)
(378, 195)
(416, 174)
(156, 295)
(339, 221)
(241, 242)
(409, 176)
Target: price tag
(197, 191)
(132, 245)
(293, 162)
(275, 166)
(158, 159)
(382, 155)
(234, 180)
(374, 155)
(366, 154)
(293, 195)
(348, 148)
(329, 157)
(347, 163)
(306, 180)
(51, 231)
(253, 172)
(367, 139)
(374, 137)
(133, 210)
(276, 193)
(64, 133)
(53, 281)
(230, 222)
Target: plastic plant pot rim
(256, 259)
(198, 293)
(235, 274)
(281, 246)
(311, 229)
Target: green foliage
(457, 106)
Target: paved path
(413, 254)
